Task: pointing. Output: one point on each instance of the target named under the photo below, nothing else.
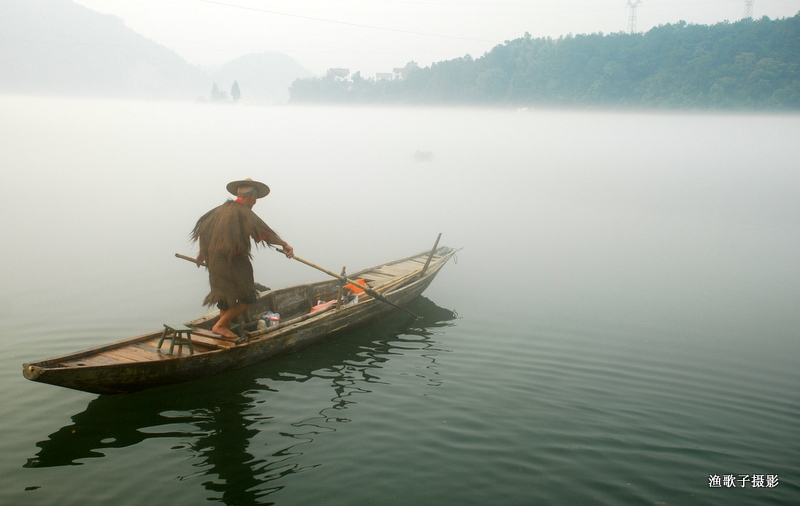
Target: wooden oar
(367, 289)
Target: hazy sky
(377, 35)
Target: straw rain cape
(224, 235)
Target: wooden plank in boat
(133, 354)
(152, 347)
(200, 343)
(215, 339)
(392, 270)
(380, 275)
(128, 357)
(210, 342)
(378, 281)
(396, 273)
(91, 360)
(145, 349)
(204, 333)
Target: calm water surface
(621, 324)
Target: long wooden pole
(193, 260)
(428, 262)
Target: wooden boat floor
(390, 272)
(375, 279)
(148, 351)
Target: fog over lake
(621, 248)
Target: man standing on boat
(224, 235)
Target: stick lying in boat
(367, 289)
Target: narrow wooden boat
(139, 363)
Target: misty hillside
(57, 47)
(60, 47)
(749, 64)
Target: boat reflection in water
(217, 419)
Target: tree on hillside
(235, 93)
(217, 95)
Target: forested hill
(749, 64)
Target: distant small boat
(139, 363)
(423, 156)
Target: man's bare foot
(217, 329)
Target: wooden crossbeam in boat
(210, 342)
(216, 339)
